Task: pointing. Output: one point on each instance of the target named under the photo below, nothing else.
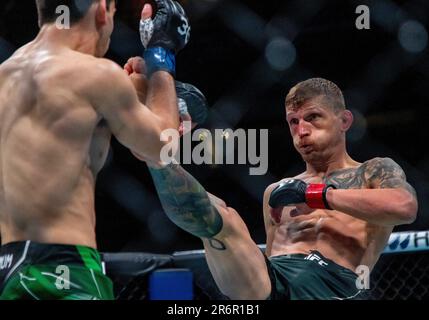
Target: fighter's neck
(336, 162)
(74, 38)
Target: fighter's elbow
(408, 210)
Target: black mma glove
(296, 191)
(164, 36)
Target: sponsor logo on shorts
(316, 258)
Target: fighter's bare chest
(350, 178)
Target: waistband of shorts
(332, 265)
(58, 254)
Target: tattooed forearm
(186, 202)
(385, 173)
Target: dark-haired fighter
(60, 102)
(321, 225)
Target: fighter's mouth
(306, 147)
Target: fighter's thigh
(236, 262)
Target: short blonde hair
(313, 88)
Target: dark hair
(78, 9)
(312, 88)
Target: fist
(135, 65)
(136, 69)
(294, 191)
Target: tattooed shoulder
(381, 170)
(350, 178)
(385, 173)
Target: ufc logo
(314, 257)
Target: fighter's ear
(101, 13)
(346, 120)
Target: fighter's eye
(293, 121)
(312, 116)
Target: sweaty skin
(348, 241)
(59, 106)
(371, 198)
(53, 143)
(356, 233)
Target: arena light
(413, 36)
(280, 54)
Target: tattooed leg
(186, 202)
(238, 265)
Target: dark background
(245, 56)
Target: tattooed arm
(186, 202)
(389, 201)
